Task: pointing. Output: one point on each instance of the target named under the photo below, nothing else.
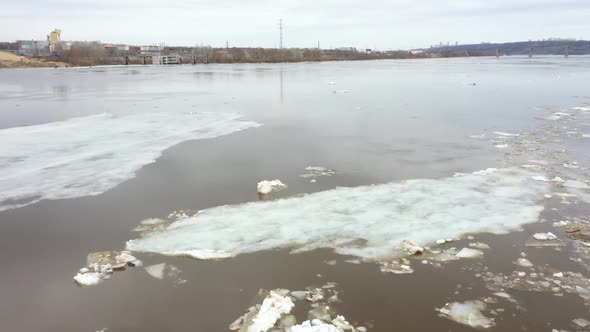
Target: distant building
(32, 47)
(172, 59)
(151, 50)
(54, 41)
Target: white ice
(318, 327)
(273, 307)
(266, 187)
(90, 155)
(467, 313)
(88, 279)
(369, 222)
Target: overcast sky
(380, 24)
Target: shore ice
(368, 222)
(89, 155)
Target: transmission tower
(281, 34)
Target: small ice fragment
(547, 196)
(469, 253)
(558, 274)
(501, 133)
(266, 187)
(486, 171)
(523, 262)
(540, 178)
(88, 279)
(156, 270)
(521, 274)
(479, 245)
(503, 295)
(575, 184)
(84, 270)
(412, 247)
(299, 295)
(501, 146)
(468, 313)
(318, 327)
(545, 236)
(582, 108)
(581, 322)
(560, 223)
(441, 241)
(313, 181)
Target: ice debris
(469, 253)
(100, 265)
(266, 187)
(523, 262)
(368, 222)
(315, 172)
(89, 155)
(467, 313)
(545, 236)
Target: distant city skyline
(380, 24)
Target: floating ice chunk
(501, 146)
(88, 279)
(156, 270)
(204, 254)
(561, 223)
(90, 155)
(582, 108)
(368, 222)
(503, 295)
(412, 248)
(486, 171)
(467, 313)
(273, 307)
(469, 253)
(299, 295)
(501, 133)
(479, 245)
(318, 327)
(521, 261)
(575, 184)
(266, 187)
(545, 236)
(581, 322)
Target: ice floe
(369, 222)
(467, 313)
(90, 155)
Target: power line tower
(281, 34)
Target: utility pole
(227, 44)
(281, 34)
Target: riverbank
(11, 60)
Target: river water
(87, 153)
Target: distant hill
(545, 47)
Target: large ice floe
(370, 221)
(90, 155)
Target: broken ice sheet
(89, 155)
(368, 222)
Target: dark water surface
(398, 120)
